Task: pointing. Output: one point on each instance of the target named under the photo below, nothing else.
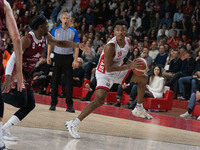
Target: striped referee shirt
(69, 34)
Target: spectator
(161, 57)
(153, 50)
(173, 27)
(138, 20)
(174, 64)
(152, 34)
(78, 74)
(178, 17)
(131, 89)
(173, 40)
(25, 20)
(166, 20)
(194, 97)
(90, 18)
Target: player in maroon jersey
(33, 45)
(6, 15)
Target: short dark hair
(36, 21)
(120, 22)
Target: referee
(64, 62)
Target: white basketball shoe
(141, 113)
(186, 115)
(73, 129)
(8, 136)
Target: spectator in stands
(74, 8)
(155, 88)
(149, 5)
(129, 88)
(88, 56)
(25, 21)
(133, 53)
(173, 40)
(166, 20)
(194, 34)
(78, 74)
(194, 97)
(174, 64)
(189, 80)
(188, 9)
(163, 29)
(90, 18)
(140, 46)
(152, 34)
(145, 23)
(138, 20)
(33, 11)
(40, 75)
(161, 57)
(187, 68)
(153, 50)
(184, 38)
(157, 6)
(145, 55)
(173, 27)
(155, 20)
(178, 17)
(166, 8)
(23, 10)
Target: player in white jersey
(111, 70)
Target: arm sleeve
(10, 64)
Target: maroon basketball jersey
(33, 53)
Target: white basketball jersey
(120, 54)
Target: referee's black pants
(62, 64)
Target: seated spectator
(194, 97)
(173, 40)
(131, 89)
(152, 34)
(155, 20)
(184, 38)
(162, 35)
(189, 80)
(78, 74)
(138, 20)
(25, 20)
(92, 64)
(161, 57)
(40, 75)
(155, 88)
(178, 17)
(174, 64)
(133, 54)
(187, 68)
(145, 55)
(153, 50)
(166, 20)
(173, 27)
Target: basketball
(143, 69)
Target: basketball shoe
(8, 136)
(72, 128)
(141, 113)
(186, 115)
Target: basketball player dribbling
(111, 70)
(33, 45)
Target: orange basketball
(143, 69)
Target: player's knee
(98, 102)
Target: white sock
(140, 106)
(1, 141)
(11, 122)
(76, 121)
